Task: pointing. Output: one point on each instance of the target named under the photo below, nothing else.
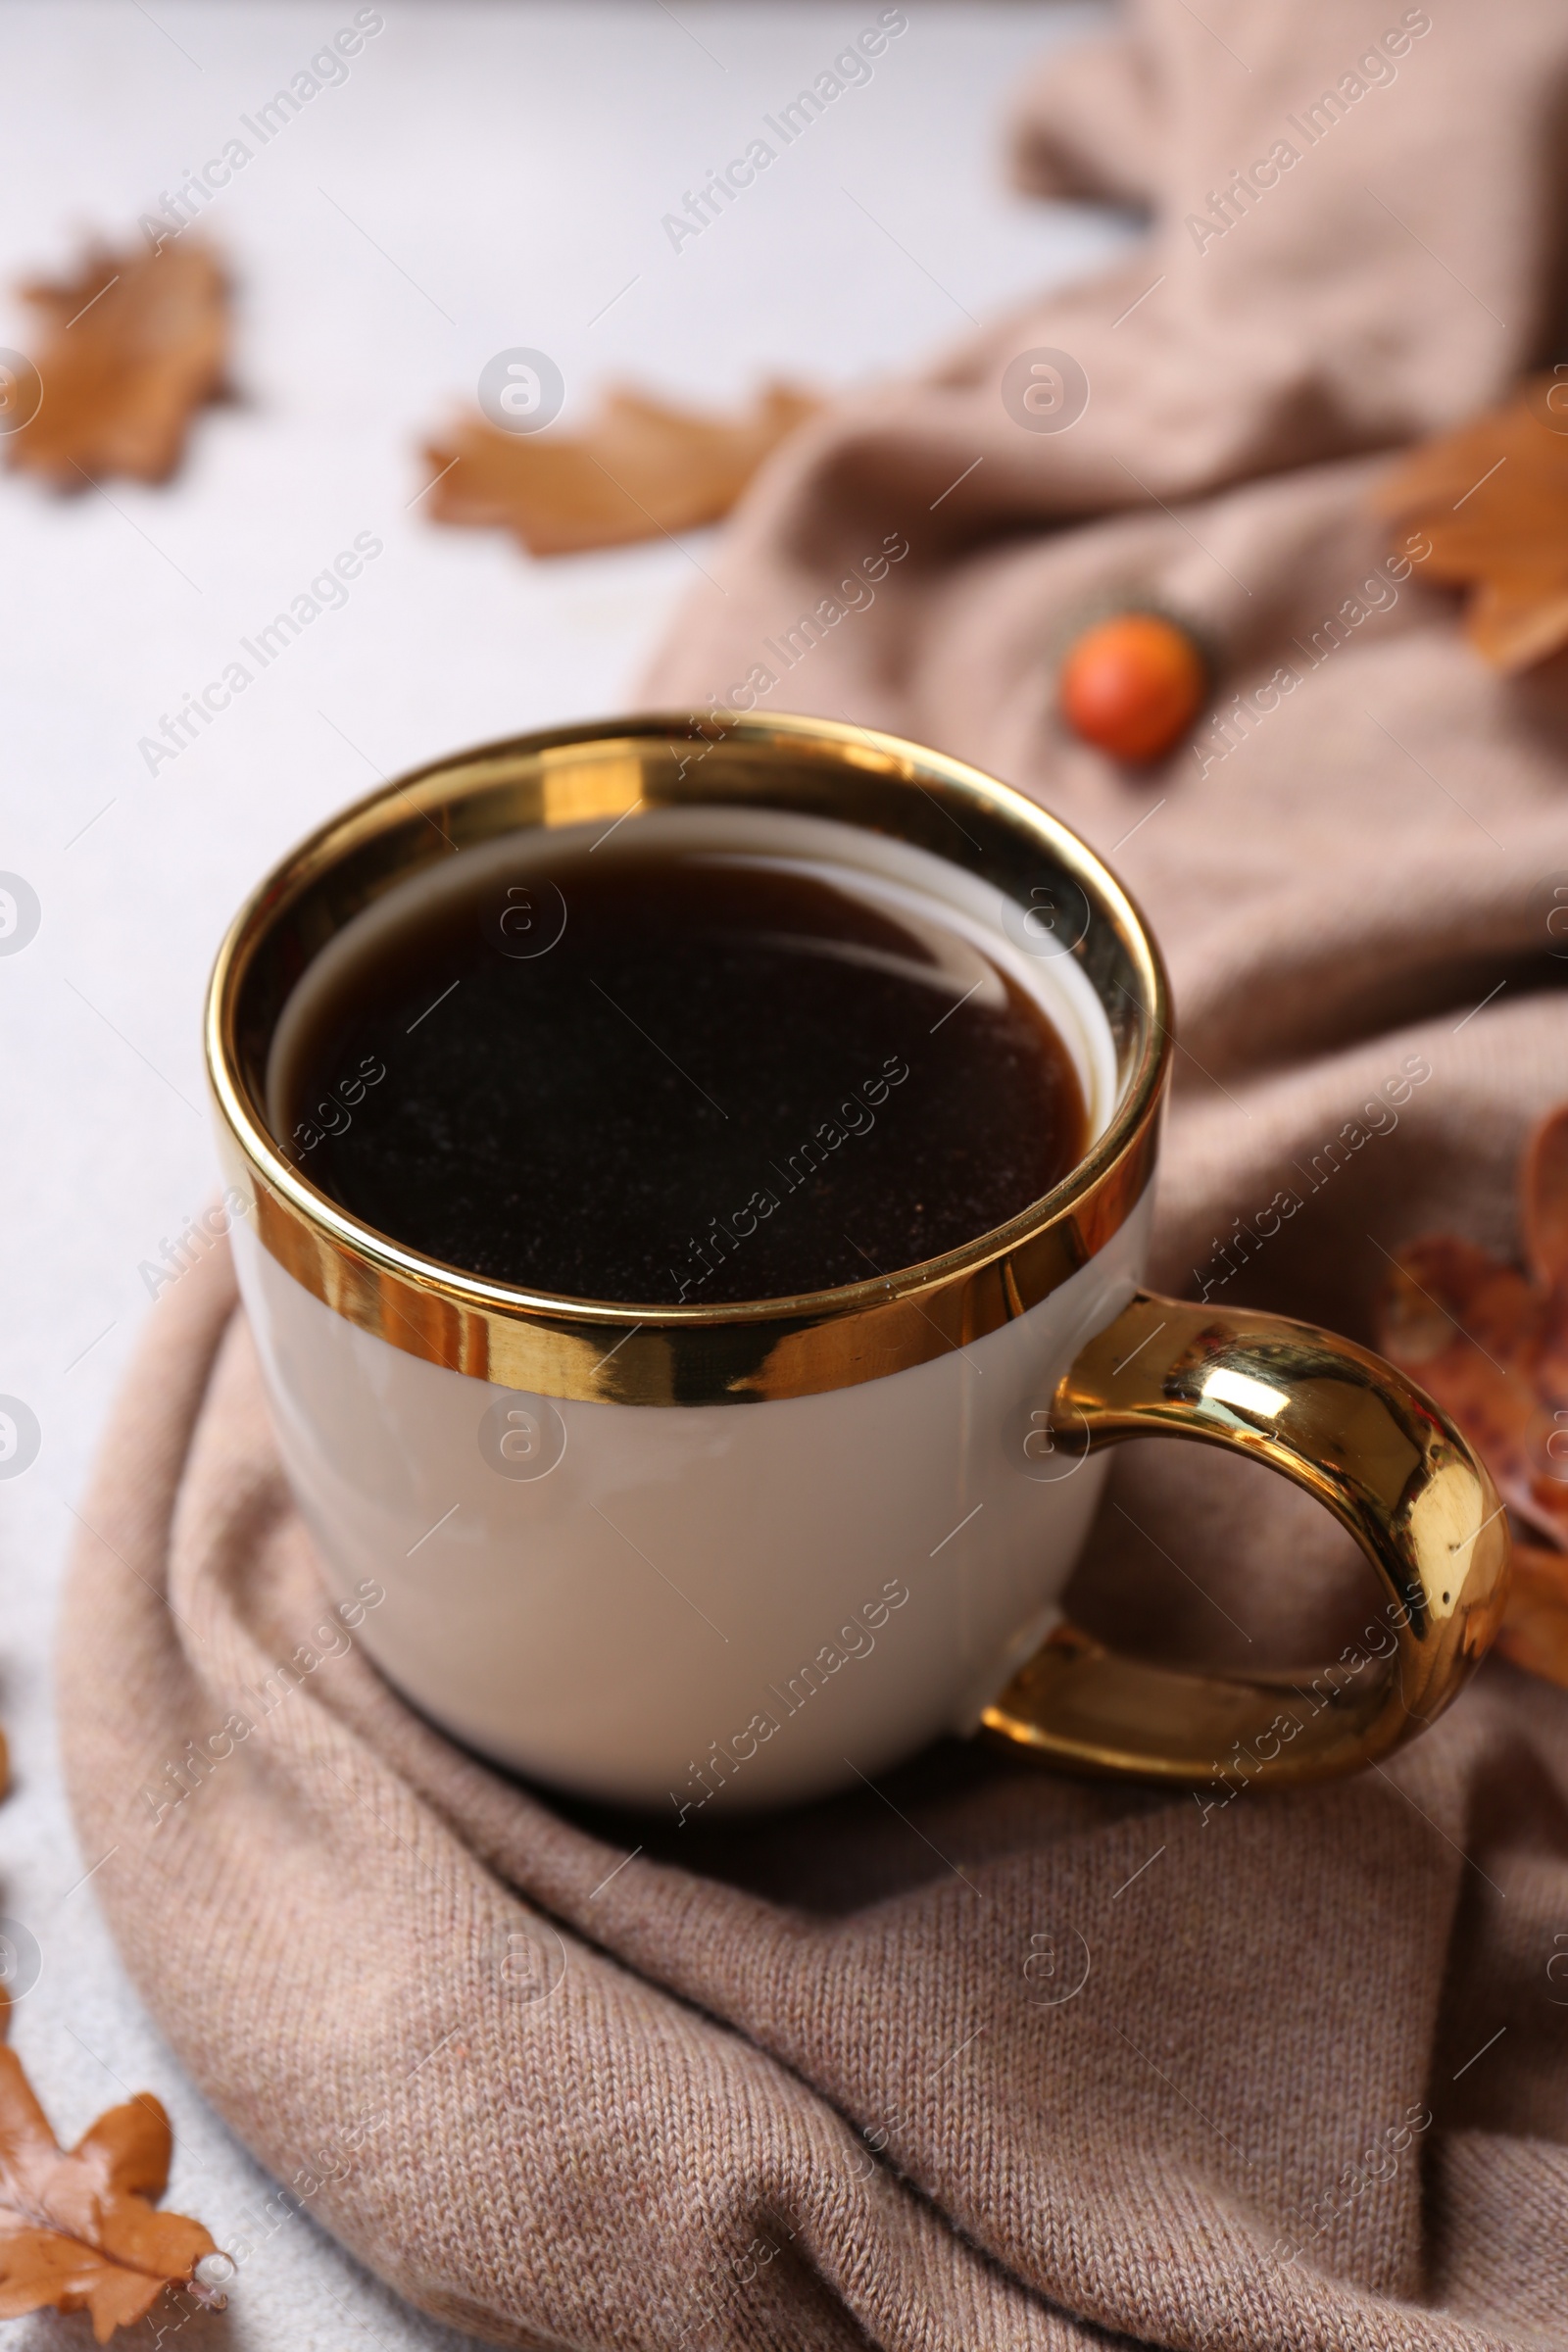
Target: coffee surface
(652, 1077)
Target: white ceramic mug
(702, 1556)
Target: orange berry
(1133, 685)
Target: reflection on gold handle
(1344, 1425)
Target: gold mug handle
(1389, 1465)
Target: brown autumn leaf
(1493, 499)
(640, 469)
(135, 343)
(1535, 1625)
(77, 2228)
(1490, 1344)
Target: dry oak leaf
(137, 343)
(78, 2231)
(1490, 1344)
(642, 469)
(1493, 499)
(1535, 1625)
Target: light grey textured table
(485, 176)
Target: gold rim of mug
(742, 1352)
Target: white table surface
(487, 176)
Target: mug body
(684, 1557)
(673, 1606)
